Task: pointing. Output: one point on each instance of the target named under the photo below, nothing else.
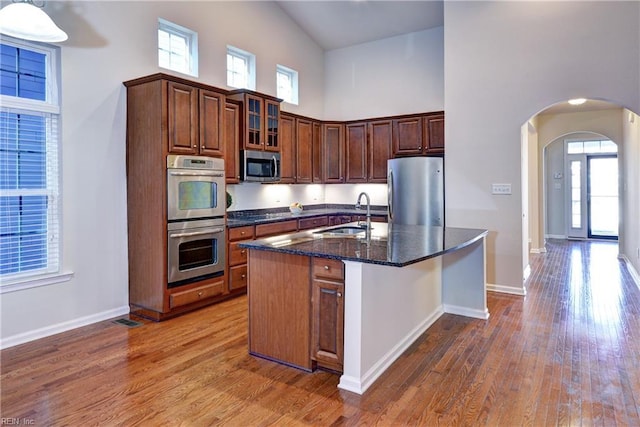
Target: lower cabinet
(327, 313)
(237, 258)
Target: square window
(287, 84)
(177, 48)
(241, 68)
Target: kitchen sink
(343, 232)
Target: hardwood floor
(566, 354)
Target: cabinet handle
(199, 294)
(195, 146)
(242, 233)
(243, 276)
(326, 267)
(243, 252)
(339, 294)
(202, 147)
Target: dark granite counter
(394, 245)
(239, 219)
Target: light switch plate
(500, 188)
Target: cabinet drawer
(237, 255)
(328, 268)
(319, 221)
(192, 295)
(238, 277)
(241, 233)
(276, 228)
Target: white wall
(504, 62)
(110, 42)
(397, 75)
(630, 246)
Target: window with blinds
(29, 116)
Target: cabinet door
(333, 147)
(434, 134)
(380, 142)
(317, 159)
(183, 118)
(407, 137)
(253, 122)
(211, 124)
(328, 318)
(287, 149)
(271, 125)
(356, 152)
(232, 142)
(304, 150)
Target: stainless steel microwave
(259, 166)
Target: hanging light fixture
(25, 20)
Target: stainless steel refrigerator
(416, 190)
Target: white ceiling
(338, 24)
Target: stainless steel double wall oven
(196, 208)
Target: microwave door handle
(196, 233)
(275, 166)
(216, 174)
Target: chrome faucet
(366, 196)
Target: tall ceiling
(338, 24)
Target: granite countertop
(239, 219)
(394, 245)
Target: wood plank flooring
(566, 354)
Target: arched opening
(545, 183)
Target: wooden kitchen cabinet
(232, 142)
(317, 169)
(287, 149)
(419, 135)
(333, 152)
(339, 219)
(368, 147)
(237, 257)
(313, 222)
(356, 152)
(327, 313)
(304, 150)
(260, 120)
(195, 120)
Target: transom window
(29, 135)
(177, 48)
(287, 84)
(241, 68)
(591, 147)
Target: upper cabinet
(232, 142)
(287, 149)
(419, 135)
(333, 152)
(368, 147)
(304, 150)
(299, 136)
(260, 120)
(195, 120)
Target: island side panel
(386, 310)
(464, 287)
(279, 294)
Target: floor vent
(128, 323)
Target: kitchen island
(397, 281)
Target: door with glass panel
(592, 183)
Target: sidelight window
(29, 145)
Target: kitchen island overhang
(398, 282)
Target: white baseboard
(360, 385)
(468, 312)
(542, 250)
(634, 274)
(507, 289)
(62, 327)
(555, 236)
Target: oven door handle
(196, 233)
(217, 174)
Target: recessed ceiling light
(577, 101)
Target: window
(591, 147)
(241, 68)
(287, 84)
(177, 48)
(29, 116)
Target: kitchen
(94, 130)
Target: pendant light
(24, 20)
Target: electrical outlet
(500, 188)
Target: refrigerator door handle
(390, 195)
